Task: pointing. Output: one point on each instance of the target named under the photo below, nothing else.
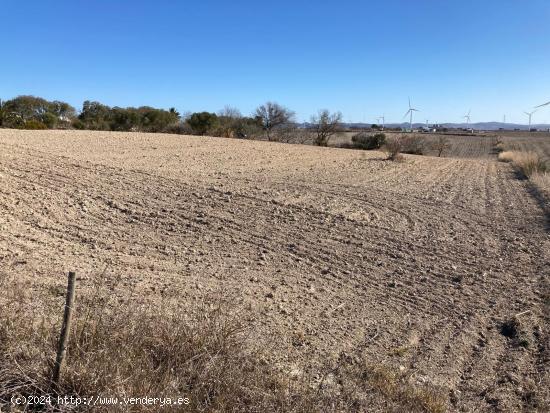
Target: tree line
(270, 120)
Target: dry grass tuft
(532, 166)
(506, 156)
(528, 163)
(542, 181)
(395, 387)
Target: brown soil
(421, 265)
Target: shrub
(365, 141)
(181, 128)
(292, 134)
(394, 147)
(34, 124)
(202, 122)
(441, 145)
(506, 156)
(499, 145)
(78, 124)
(50, 120)
(413, 144)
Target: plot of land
(416, 265)
(477, 146)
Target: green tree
(95, 116)
(202, 122)
(19, 111)
(28, 107)
(157, 120)
(49, 119)
(64, 112)
(124, 119)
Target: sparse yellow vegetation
(532, 166)
(123, 346)
(506, 156)
(542, 181)
(400, 351)
(395, 387)
(528, 163)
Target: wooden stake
(65, 328)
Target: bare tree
(272, 115)
(291, 133)
(441, 145)
(229, 122)
(230, 112)
(326, 124)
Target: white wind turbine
(383, 121)
(410, 113)
(530, 114)
(467, 117)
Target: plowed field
(416, 264)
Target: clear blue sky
(363, 58)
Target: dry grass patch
(532, 166)
(126, 347)
(131, 348)
(506, 156)
(542, 181)
(394, 386)
(529, 163)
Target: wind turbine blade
(409, 103)
(544, 104)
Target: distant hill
(477, 126)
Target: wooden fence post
(65, 328)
